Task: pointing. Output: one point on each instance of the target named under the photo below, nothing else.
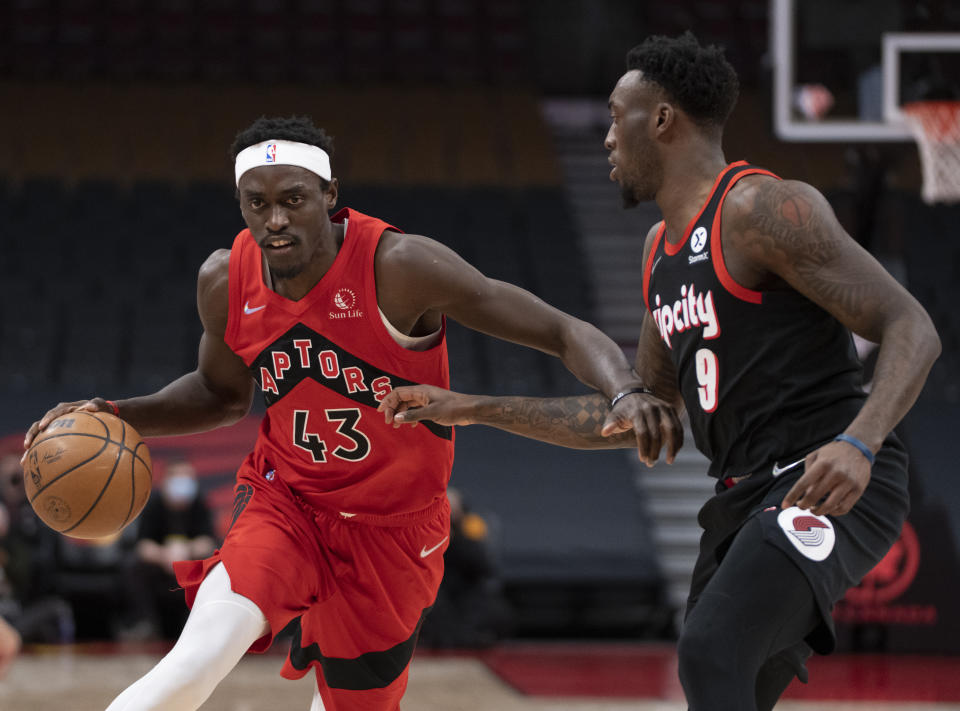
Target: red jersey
(323, 364)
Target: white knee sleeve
(221, 627)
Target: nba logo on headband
(303, 155)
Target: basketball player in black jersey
(752, 288)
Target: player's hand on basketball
(654, 422)
(411, 403)
(97, 404)
(834, 478)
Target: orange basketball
(88, 474)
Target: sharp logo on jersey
(691, 310)
(271, 153)
(302, 353)
(812, 535)
(698, 240)
(345, 300)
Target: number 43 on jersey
(357, 445)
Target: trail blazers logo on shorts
(812, 535)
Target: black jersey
(764, 375)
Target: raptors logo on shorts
(244, 493)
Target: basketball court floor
(512, 677)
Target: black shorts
(833, 552)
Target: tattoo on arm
(795, 227)
(567, 421)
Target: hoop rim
(936, 119)
(932, 104)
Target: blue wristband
(864, 449)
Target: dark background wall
(115, 183)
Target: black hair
(294, 128)
(699, 79)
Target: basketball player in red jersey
(340, 520)
(752, 288)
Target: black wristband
(622, 394)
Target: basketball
(88, 474)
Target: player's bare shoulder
(216, 267)
(415, 260)
(213, 291)
(772, 221)
(404, 251)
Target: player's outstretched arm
(788, 229)
(219, 392)
(577, 421)
(429, 278)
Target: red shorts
(358, 585)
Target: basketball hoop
(936, 127)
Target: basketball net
(936, 127)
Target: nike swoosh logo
(247, 310)
(655, 263)
(778, 470)
(424, 552)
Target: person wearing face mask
(175, 525)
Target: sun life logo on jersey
(345, 300)
(812, 535)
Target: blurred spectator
(27, 599)
(175, 525)
(470, 610)
(27, 543)
(9, 646)
(89, 574)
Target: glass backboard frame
(783, 50)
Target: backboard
(843, 68)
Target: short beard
(628, 197)
(288, 273)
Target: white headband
(302, 155)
